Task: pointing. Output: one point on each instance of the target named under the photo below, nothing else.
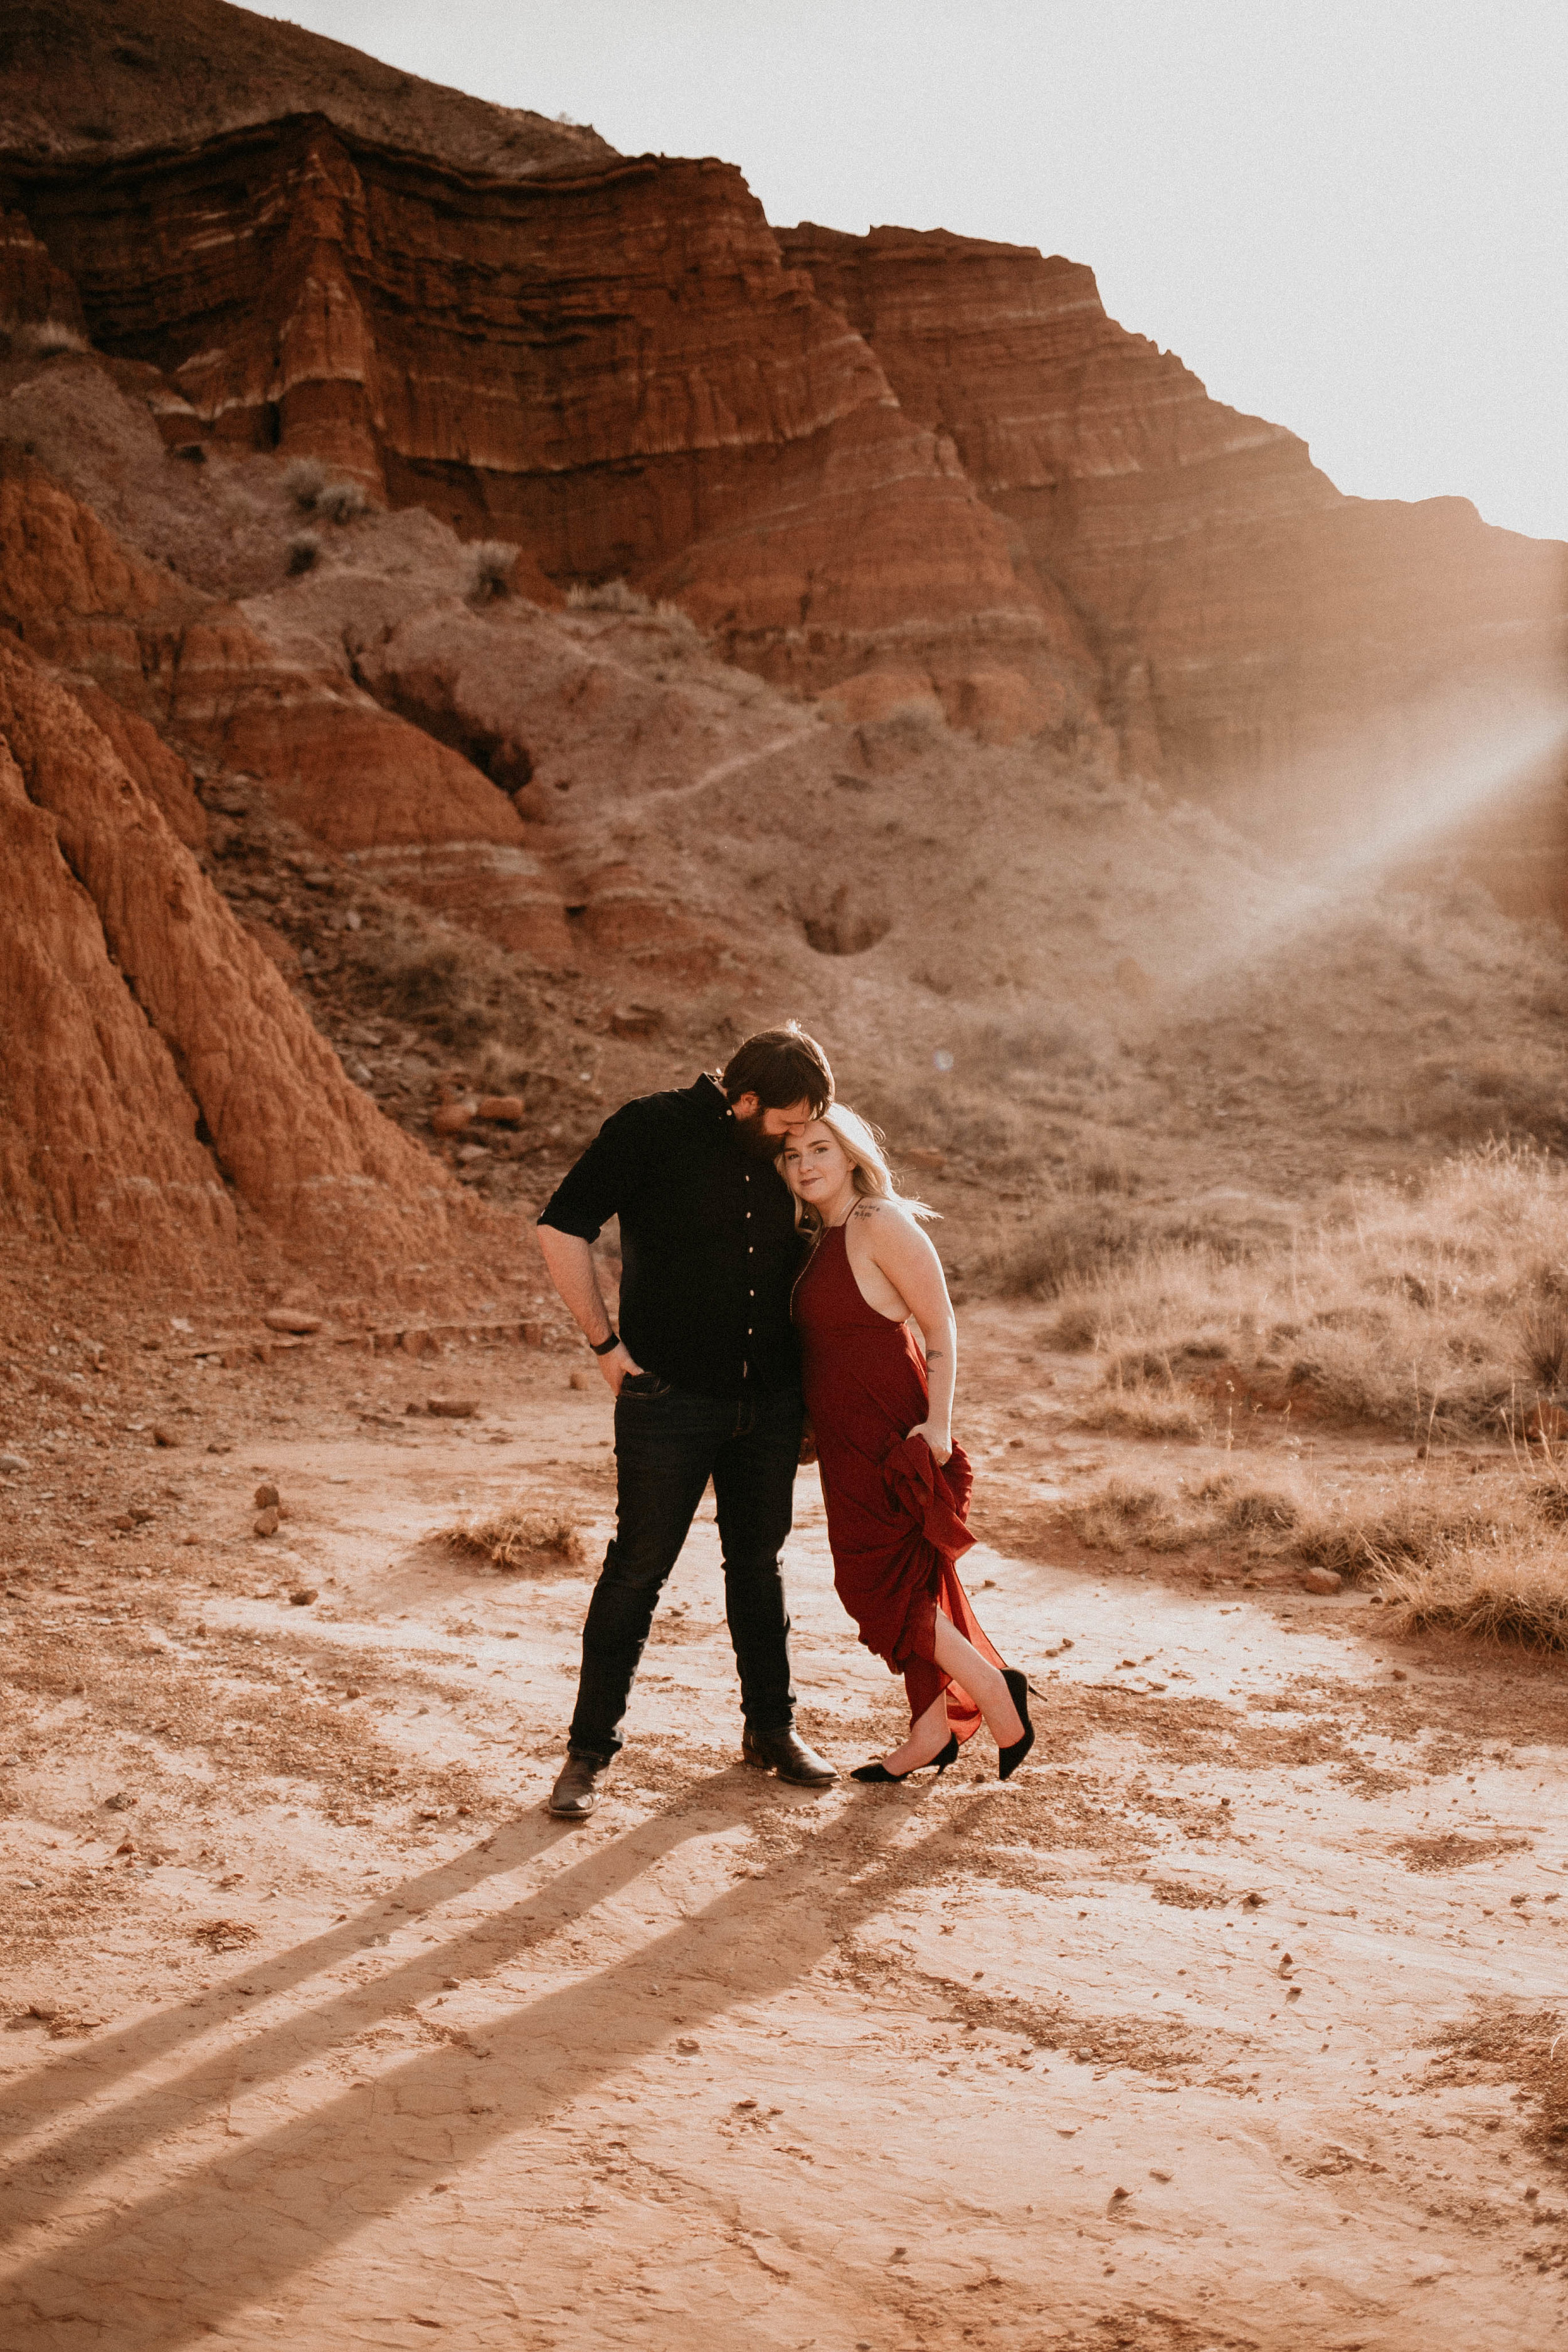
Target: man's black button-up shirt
(709, 1246)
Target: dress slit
(896, 1517)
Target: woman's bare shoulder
(891, 1220)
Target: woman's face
(815, 1165)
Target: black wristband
(605, 1345)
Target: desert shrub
(1498, 1582)
(1167, 1409)
(423, 982)
(1071, 1242)
(1403, 1309)
(607, 597)
(1543, 1344)
(464, 993)
(521, 1539)
(1120, 1515)
(1074, 1330)
(341, 502)
(491, 565)
(677, 619)
(303, 552)
(44, 337)
(304, 478)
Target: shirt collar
(707, 1097)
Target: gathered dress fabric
(896, 1516)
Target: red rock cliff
(1257, 633)
(614, 368)
(158, 1072)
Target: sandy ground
(320, 2033)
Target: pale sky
(1350, 216)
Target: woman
(895, 1485)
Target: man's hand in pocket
(617, 1366)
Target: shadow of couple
(225, 2229)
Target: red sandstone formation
(908, 466)
(172, 1061)
(615, 370)
(354, 774)
(912, 475)
(1259, 635)
(148, 760)
(97, 1132)
(602, 359)
(82, 79)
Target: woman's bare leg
(927, 1734)
(981, 1680)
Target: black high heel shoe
(879, 1771)
(1009, 1759)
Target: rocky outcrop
(85, 79)
(97, 1133)
(186, 664)
(161, 774)
(1309, 658)
(900, 466)
(614, 370)
(167, 1072)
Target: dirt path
(353, 2046)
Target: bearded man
(706, 1378)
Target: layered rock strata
(1335, 667)
(85, 79)
(614, 370)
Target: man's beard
(755, 1142)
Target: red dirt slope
(163, 1058)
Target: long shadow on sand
(232, 2228)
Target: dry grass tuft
(516, 1540)
(607, 597)
(304, 480)
(1147, 1409)
(492, 563)
(1543, 1344)
(1497, 1582)
(1436, 1312)
(341, 502)
(1119, 1516)
(44, 337)
(1074, 1243)
(1486, 1555)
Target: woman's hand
(939, 1440)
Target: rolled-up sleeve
(603, 1181)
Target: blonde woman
(896, 1486)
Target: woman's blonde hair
(861, 1144)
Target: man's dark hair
(780, 1066)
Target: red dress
(895, 1514)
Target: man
(705, 1376)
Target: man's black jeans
(669, 1444)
